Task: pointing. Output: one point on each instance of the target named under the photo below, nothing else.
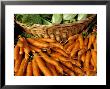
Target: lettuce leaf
(57, 18)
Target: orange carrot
(57, 45)
(76, 62)
(69, 48)
(75, 49)
(81, 42)
(36, 71)
(95, 44)
(68, 71)
(62, 58)
(86, 42)
(61, 51)
(35, 48)
(81, 52)
(42, 66)
(17, 63)
(16, 52)
(72, 38)
(83, 58)
(22, 68)
(19, 43)
(94, 57)
(25, 44)
(86, 62)
(52, 68)
(37, 43)
(67, 45)
(75, 69)
(46, 40)
(21, 50)
(29, 69)
(26, 56)
(51, 61)
(91, 40)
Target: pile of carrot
(47, 57)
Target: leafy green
(68, 16)
(46, 16)
(18, 17)
(45, 22)
(82, 16)
(26, 35)
(31, 19)
(57, 18)
(49, 19)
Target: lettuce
(57, 18)
(69, 16)
(82, 16)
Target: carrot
(55, 56)
(69, 48)
(29, 69)
(21, 50)
(62, 58)
(67, 45)
(52, 68)
(86, 42)
(37, 43)
(19, 43)
(68, 71)
(26, 56)
(16, 52)
(46, 40)
(81, 52)
(35, 48)
(83, 58)
(75, 69)
(75, 49)
(94, 57)
(17, 63)
(95, 44)
(91, 40)
(51, 61)
(92, 62)
(92, 73)
(25, 44)
(22, 68)
(72, 38)
(78, 71)
(86, 62)
(81, 42)
(61, 51)
(42, 66)
(36, 71)
(76, 62)
(57, 45)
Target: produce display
(67, 46)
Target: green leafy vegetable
(18, 17)
(45, 22)
(49, 19)
(57, 18)
(82, 16)
(68, 16)
(31, 19)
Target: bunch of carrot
(47, 57)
